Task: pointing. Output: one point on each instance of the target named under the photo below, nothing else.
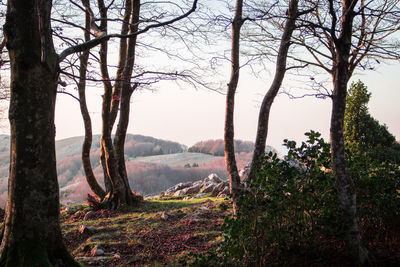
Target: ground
(162, 232)
(144, 236)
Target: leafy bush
(290, 213)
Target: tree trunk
(107, 180)
(121, 64)
(32, 234)
(116, 195)
(87, 143)
(229, 149)
(263, 117)
(119, 142)
(344, 183)
(126, 93)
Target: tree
(338, 37)
(117, 96)
(87, 143)
(229, 149)
(118, 88)
(362, 133)
(31, 235)
(281, 58)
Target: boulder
(193, 189)
(179, 193)
(200, 195)
(219, 188)
(224, 191)
(208, 188)
(213, 178)
(182, 186)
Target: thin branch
(105, 37)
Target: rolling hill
(153, 165)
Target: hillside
(69, 166)
(153, 165)
(178, 159)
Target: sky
(186, 115)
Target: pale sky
(189, 115)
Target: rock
(208, 188)
(213, 178)
(203, 208)
(244, 174)
(225, 191)
(182, 186)
(70, 202)
(187, 198)
(179, 193)
(97, 251)
(84, 230)
(194, 189)
(218, 188)
(89, 215)
(223, 195)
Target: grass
(142, 237)
(178, 159)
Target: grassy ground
(178, 159)
(141, 236)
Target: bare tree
(281, 67)
(118, 90)
(229, 149)
(87, 143)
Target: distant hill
(216, 147)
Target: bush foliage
(290, 212)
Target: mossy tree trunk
(32, 234)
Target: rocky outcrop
(210, 185)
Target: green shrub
(291, 213)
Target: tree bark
(344, 183)
(121, 64)
(32, 234)
(229, 149)
(108, 153)
(263, 117)
(126, 93)
(87, 143)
